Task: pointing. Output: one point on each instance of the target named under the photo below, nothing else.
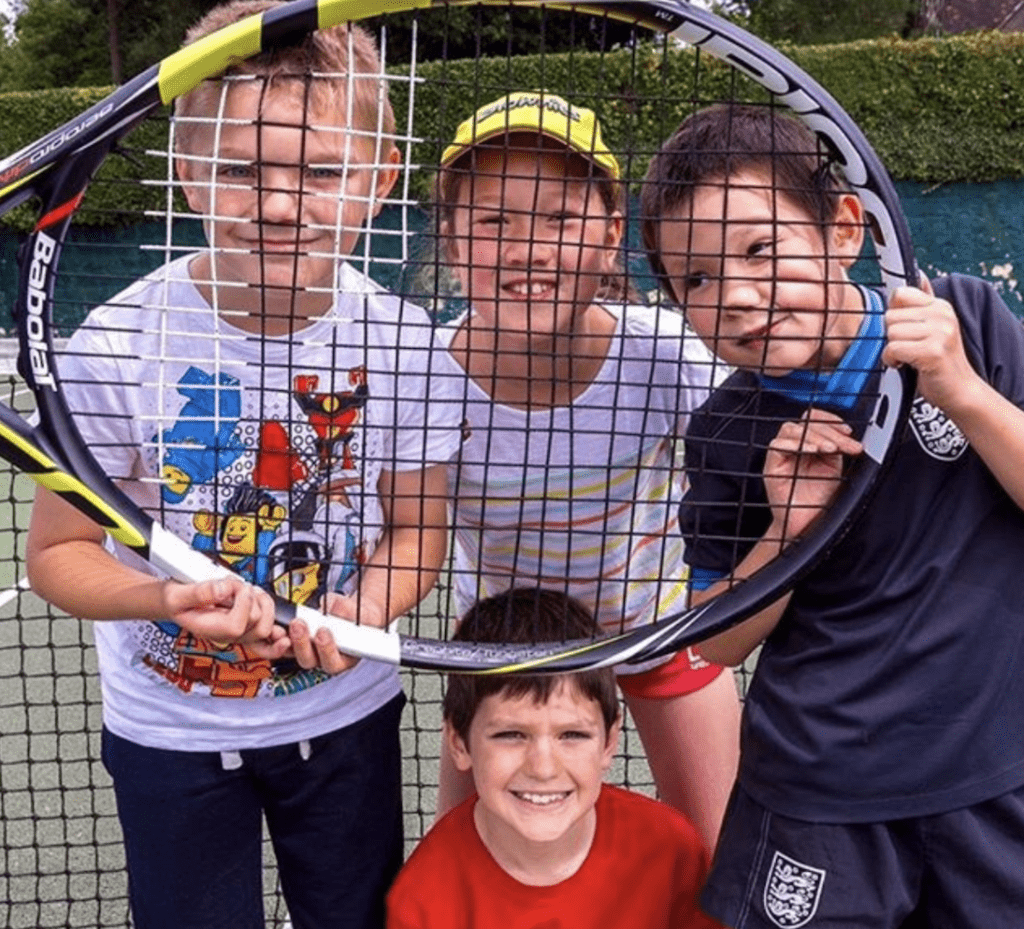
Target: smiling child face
(530, 240)
(283, 197)
(537, 767)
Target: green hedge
(936, 109)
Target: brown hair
(717, 142)
(524, 615)
(317, 69)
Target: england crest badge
(937, 434)
(792, 892)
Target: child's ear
(387, 175)
(454, 250)
(613, 239)
(457, 748)
(447, 244)
(848, 229)
(616, 225)
(611, 747)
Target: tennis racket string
(253, 424)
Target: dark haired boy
(544, 842)
(882, 751)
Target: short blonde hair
(324, 65)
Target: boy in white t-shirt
(317, 473)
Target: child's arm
(801, 475)
(924, 332)
(400, 572)
(69, 567)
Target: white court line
(8, 356)
(8, 595)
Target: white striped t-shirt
(584, 498)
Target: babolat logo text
(35, 309)
(64, 136)
(530, 101)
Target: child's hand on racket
(804, 469)
(320, 650)
(227, 610)
(924, 332)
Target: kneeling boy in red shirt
(544, 842)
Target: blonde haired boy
(282, 160)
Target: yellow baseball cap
(548, 114)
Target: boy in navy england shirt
(882, 762)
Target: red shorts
(685, 673)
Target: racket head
(66, 168)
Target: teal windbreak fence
(971, 229)
(114, 258)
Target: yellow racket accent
(20, 182)
(211, 55)
(185, 69)
(332, 12)
(47, 473)
(537, 664)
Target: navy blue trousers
(193, 828)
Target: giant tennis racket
(284, 472)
